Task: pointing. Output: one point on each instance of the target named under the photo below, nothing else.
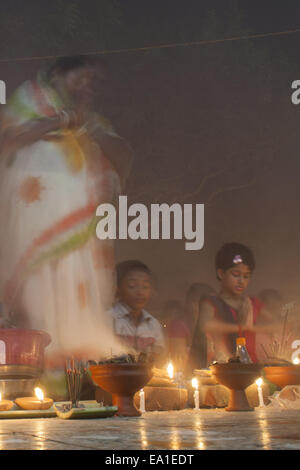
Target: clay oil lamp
(5, 405)
(237, 377)
(283, 375)
(122, 380)
(35, 403)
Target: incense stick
(74, 370)
(283, 330)
(267, 356)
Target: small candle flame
(259, 382)
(39, 393)
(296, 360)
(170, 370)
(195, 383)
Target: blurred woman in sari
(59, 161)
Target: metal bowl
(16, 388)
(12, 371)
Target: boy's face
(236, 279)
(135, 289)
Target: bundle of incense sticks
(75, 371)
(279, 349)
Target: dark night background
(221, 110)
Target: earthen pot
(122, 381)
(283, 375)
(237, 377)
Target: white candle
(196, 399)
(142, 401)
(196, 394)
(260, 393)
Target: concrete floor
(211, 429)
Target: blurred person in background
(197, 358)
(177, 332)
(59, 160)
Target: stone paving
(205, 429)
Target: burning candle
(170, 370)
(259, 383)
(296, 361)
(39, 402)
(142, 401)
(196, 393)
(5, 405)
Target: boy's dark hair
(125, 267)
(231, 254)
(64, 65)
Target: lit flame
(296, 361)
(39, 393)
(170, 370)
(259, 382)
(195, 383)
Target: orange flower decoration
(30, 189)
(82, 292)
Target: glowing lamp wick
(170, 370)
(39, 393)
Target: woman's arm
(118, 151)
(17, 137)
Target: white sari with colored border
(53, 268)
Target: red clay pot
(23, 347)
(122, 381)
(283, 375)
(237, 377)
